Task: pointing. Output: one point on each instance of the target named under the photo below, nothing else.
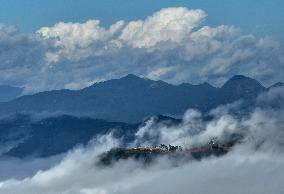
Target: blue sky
(261, 17)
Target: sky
(68, 44)
(261, 17)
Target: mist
(255, 165)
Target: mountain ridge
(131, 98)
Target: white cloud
(75, 40)
(171, 24)
(171, 45)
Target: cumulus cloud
(173, 45)
(167, 25)
(75, 41)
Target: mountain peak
(241, 81)
(131, 77)
(239, 77)
(242, 87)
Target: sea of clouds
(256, 165)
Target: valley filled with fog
(254, 165)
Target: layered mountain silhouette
(113, 104)
(131, 98)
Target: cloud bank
(173, 45)
(255, 166)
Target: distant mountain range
(8, 93)
(131, 98)
(65, 115)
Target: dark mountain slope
(54, 135)
(130, 99)
(240, 87)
